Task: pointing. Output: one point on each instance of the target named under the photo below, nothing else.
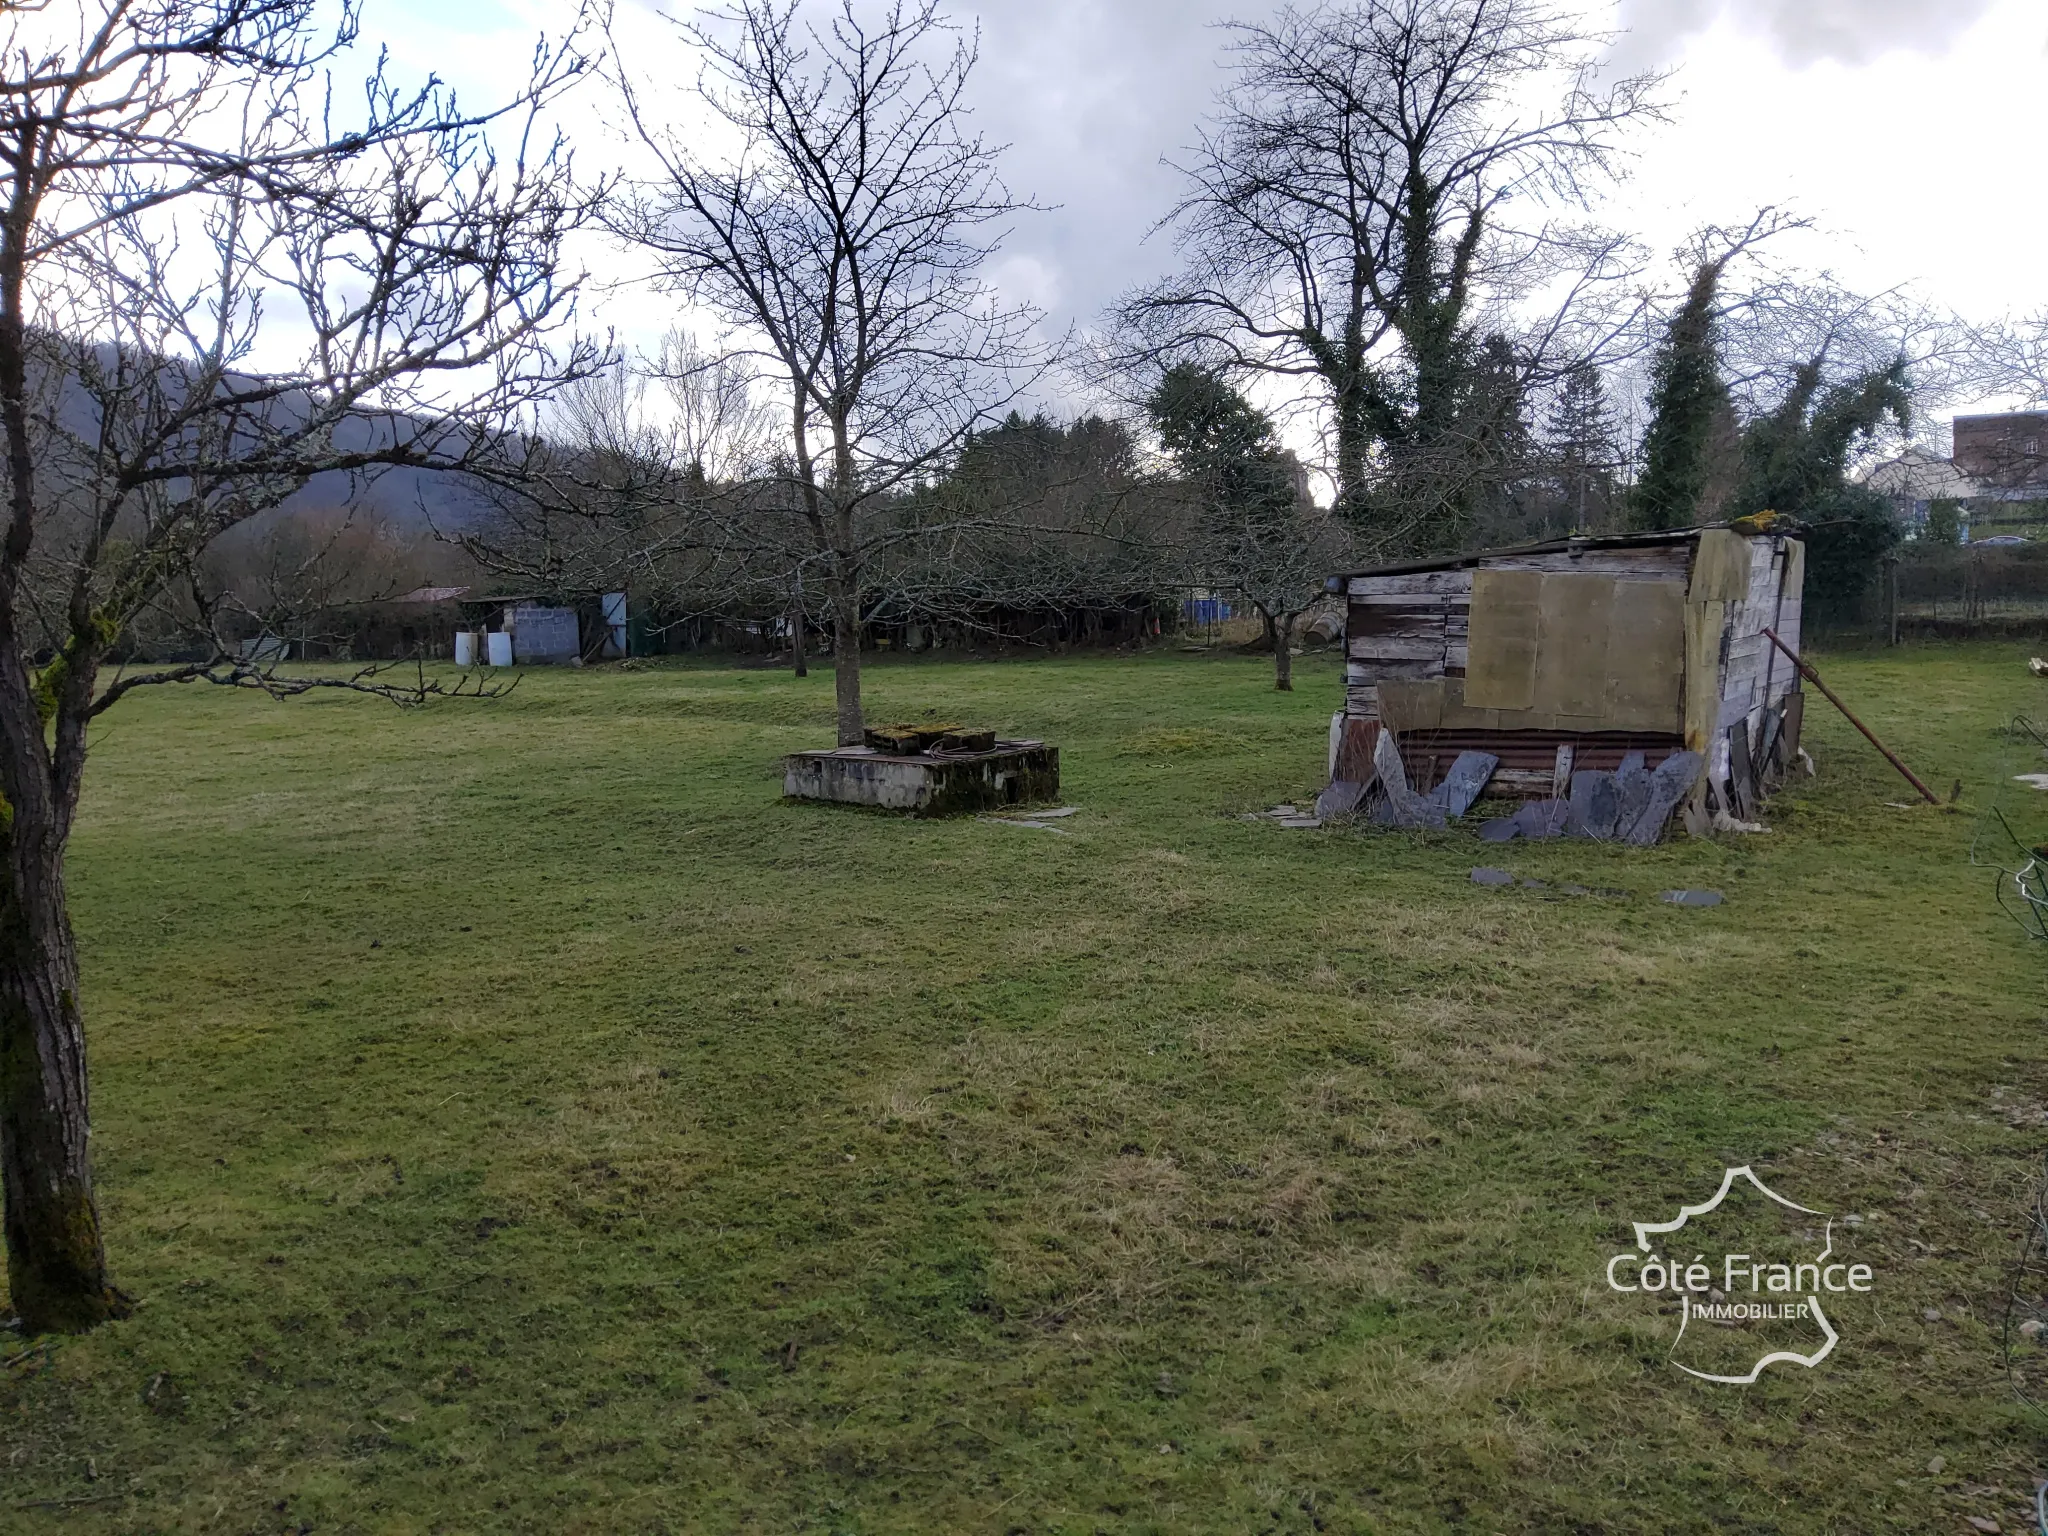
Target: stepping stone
(1693, 898)
(1301, 823)
(1492, 877)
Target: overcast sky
(1909, 129)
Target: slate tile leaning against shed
(1399, 806)
(1632, 792)
(1671, 783)
(1596, 804)
(1544, 818)
(1461, 786)
(1339, 799)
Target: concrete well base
(936, 783)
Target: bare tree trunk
(56, 1267)
(1283, 653)
(846, 599)
(846, 655)
(796, 641)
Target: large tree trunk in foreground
(56, 1268)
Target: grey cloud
(1801, 32)
(1091, 95)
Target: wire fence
(1955, 591)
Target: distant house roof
(423, 595)
(1917, 475)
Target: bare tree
(842, 244)
(289, 576)
(1583, 448)
(210, 292)
(1278, 565)
(725, 432)
(1374, 199)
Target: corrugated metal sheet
(1528, 758)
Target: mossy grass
(517, 1117)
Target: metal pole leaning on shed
(1813, 677)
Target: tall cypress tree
(1688, 398)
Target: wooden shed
(1568, 656)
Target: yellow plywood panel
(1413, 704)
(1646, 657)
(1500, 667)
(1703, 623)
(1576, 623)
(1720, 568)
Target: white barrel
(501, 647)
(465, 648)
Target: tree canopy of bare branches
(1372, 202)
(212, 288)
(842, 244)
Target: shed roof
(1653, 538)
(430, 595)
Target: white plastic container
(500, 647)
(465, 648)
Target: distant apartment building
(1996, 476)
(2005, 453)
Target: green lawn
(515, 1118)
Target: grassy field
(515, 1118)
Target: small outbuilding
(1569, 658)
